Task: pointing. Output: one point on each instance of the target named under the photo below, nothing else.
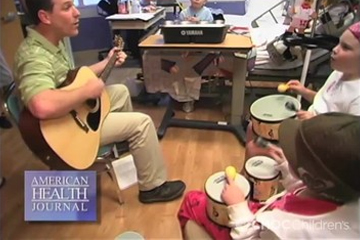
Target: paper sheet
(141, 16)
(125, 171)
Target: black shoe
(164, 193)
(5, 123)
(140, 76)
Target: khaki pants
(138, 129)
(194, 231)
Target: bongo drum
(263, 177)
(216, 209)
(268, 112)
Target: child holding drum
(319, 163)
(340, 93)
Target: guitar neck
(107, 70)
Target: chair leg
(2, 181)
(112, 175)
(115, 152)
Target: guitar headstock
(119, 42)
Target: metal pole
(308, 52)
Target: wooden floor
(191, 155)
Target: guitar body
(62, 143)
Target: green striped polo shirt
(39, 65)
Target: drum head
(262, 167)
(272, 108)
(214, 185)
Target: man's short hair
(34, 6)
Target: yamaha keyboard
(186, 32)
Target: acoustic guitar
(73, 139)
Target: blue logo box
(60, 196)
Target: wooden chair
(106, 154)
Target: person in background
(336, 11)
(196, 12)
(301, 15)
(319, 162)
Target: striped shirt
(39, 65)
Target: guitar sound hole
(91, 103)
(93, 119)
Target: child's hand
(303, 115)
(193, 19)
(296, 86)
(276, 153)
(174, 69)
(313, 15)
(232, 194)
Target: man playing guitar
(41, 66)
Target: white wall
(257, 7)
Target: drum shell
(261, 188)
(217, 212)
(216, 209)
(267, 130)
